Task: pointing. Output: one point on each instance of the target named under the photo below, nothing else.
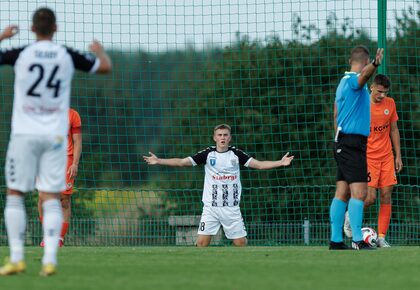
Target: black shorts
(350, 155)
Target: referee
(352, 125)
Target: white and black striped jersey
(222, 182)
(43, 75)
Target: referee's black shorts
(350, 155)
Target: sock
(337, 211)
(53, 219)
(64, 230)
(384, 218)
(356, 218)
(41, 219)
(15, 219)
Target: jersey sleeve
(75, 123)
(9, 56)
(200, 157)
(243, 157)
(353, 82)
(84, 62)
(394, 115)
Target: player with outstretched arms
(36, 155)
(222, 185)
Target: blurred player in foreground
(36, 155)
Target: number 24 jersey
(43, 75)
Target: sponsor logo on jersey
(40, 110)
(59, 142)
(225, 177)
(380, 128)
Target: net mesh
(268, 68)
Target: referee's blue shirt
(353, 106)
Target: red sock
(64, 229)
(384, 218)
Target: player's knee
(202, 244)
(241, 242)
(370, 200)
(203, 241)
(15, 192)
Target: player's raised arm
(285, 161)
(9, 32)
(370, 69)
(105, 61)
(154, 160)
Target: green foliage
(277, 95)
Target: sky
(159, 25)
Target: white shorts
(229, 217)
(34, 161)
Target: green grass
(214, 268)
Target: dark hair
(222, 126)
(359, 54)
(44, 21)
(382, 80)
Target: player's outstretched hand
(286, 160)
(96, 47)
(152, 159)
(379, 56)
(9, 32)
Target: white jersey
(43, 75)
(222, 182)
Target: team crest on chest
(212, 161)
(386, 112)
(233, 162)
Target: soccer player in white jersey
(222, 185)
(36, 155)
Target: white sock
(53, 219)
(15, 219)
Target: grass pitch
(256, 268)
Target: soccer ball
(369, 236)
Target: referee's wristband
(373, 62)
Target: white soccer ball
(370, 236)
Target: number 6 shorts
(229, 217)
(381, 173)
(36, 161)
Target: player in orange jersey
(382, 165)
(74, 150)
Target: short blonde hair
(222, 126)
